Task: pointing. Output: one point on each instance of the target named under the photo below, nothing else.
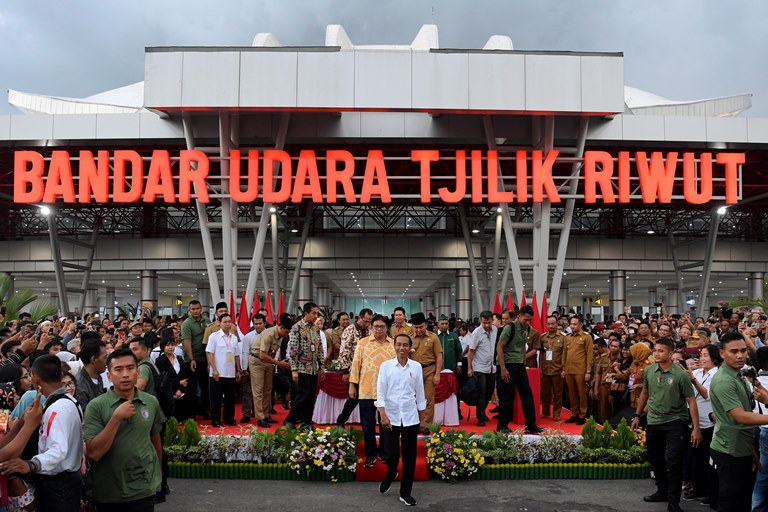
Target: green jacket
(451, 349)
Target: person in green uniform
(667, 389)
(733, 442)
(451, 345)
(512, 374)
(192, 332)
(122, 437)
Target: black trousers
(405, 436)
(701, 471)
(735, 477)
(349, 406)
(666, 448)
(303, 405)
(369, 417)
(60, 493)
(200, 378)
(486, 383)
(226, 387)
(142, 505)
(518, 381)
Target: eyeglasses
(378, 326)
(70, 384)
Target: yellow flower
(318, 462)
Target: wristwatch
(636, 415)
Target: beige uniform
(424, 351)
(262, 372)
(577, 361)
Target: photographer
(760, 492)
(732, 446)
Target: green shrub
(591, 437)
(607, 434)
(190, 435)
(171, 432)
(624, 438)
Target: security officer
(577, 369)
(427, 351)
(262, 362)
(551, 361)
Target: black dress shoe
(231, 423)
(503, 430)
(286, 406)
(534, 430)
(580, 421)
(572, 419)
(264, 424)
(290, 425)
(495, 409)
(674, 507)
(481, 423)
(386, 484)
(216, 424)
(656, 497)
(270, 420)
(272, 411)
(245, 419)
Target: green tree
(15, 301)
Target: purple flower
(334, 456)
(447, 448)
(450, 465)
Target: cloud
(687, 49)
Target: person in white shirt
(480, 360)
(701, 371)
(60, 445)
(401, 403)
(223, 354)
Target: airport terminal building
(381, 176)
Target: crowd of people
(87, 399)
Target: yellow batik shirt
(369, 355)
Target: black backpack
(163, 389)
(31, 449)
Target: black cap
(418, 318)
(221, 304)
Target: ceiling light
(498, 210)
(273, 210)
(651, 232)
(722, 210)
(45, 210)
(475, 231)
(102, 281)
(294, 230)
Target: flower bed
(580, 471)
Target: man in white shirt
(60, 445)
(480, 360)
(401, 404)
(223, 354)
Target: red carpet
(377, 473)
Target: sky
(681, 49)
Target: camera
(748, 372)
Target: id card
(631, 383)
(230, 357)
(312, 347)
(549, 355)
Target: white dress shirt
(482, 342)
(400, 391)
(60, 447)
(704, 406)
(224, 348)
(250, 340)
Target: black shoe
(656, 497)
(408, 501)
(503, 430)
(580, 421)
(231, 423)
(481, 423)
(270, 420)
(159, 497)
(286, 406)
(674, 507)
(264, 424)
(572, 419)
(425, 431)
(216, 424)
(386, 484)
(166, 489)
(495, 409)
(290, 425)
(272, 411)
(534, 430)
(461, 416)
(245, 419)
(370, 462)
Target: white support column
(61, 284)
(618, 292)
(226, 204)
(109, 302)
(653, 296)
(305, 288)
(275, 259)
(429, 307)
(204, 296)
(323, 295)
(471, 255)
(91, 302)
(300, 254)
(672, 302)
(563, 298)
(463, 294)
(436, 302)
(444, 307)
(149, 289)
(714, 226)
(496, 251)
(756, 285)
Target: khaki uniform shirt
(335, 343)
(425, 348)
(577, 355)
(216, 326)
(552, 365)
(533, 343)
(405, 329)
(269, 342)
